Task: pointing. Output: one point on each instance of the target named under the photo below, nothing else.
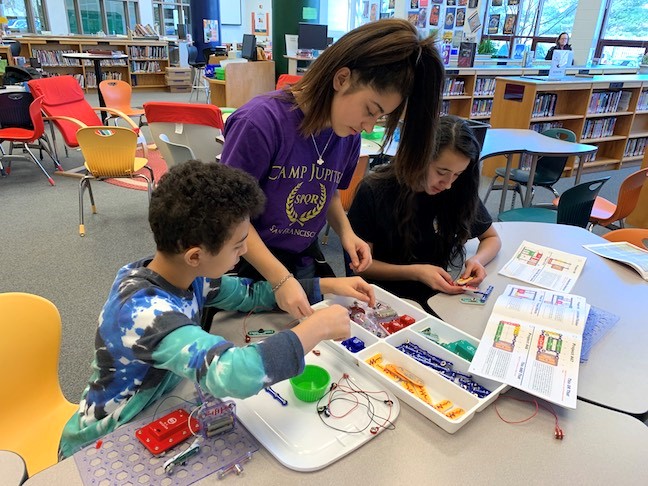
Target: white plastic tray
(295, 434)
(438, 387)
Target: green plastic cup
(312, 384)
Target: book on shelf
(623, 252)
(466, 56)
(532, 341)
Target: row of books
(599, 128)
(107, 62)
(453, 87)
(635, 147)
(145, 67)
(609, 101)
(544, 105)
(481, 107)
(484, 87)
(642, 104)
(142, 30)
(91, 79)
(542, 126)
(155, 52)
(54, 58)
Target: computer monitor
(312, 36)
(248, 50)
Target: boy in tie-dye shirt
(149, 336)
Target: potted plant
(486, 48)
(643, 68)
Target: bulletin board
(230, 12)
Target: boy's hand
(291, 298)
(354, 287)
(329, 323)
(358, 250)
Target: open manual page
(623, 252)
(532, 341)
(545, 267)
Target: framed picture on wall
(230, 12)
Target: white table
(615, 374)
(510, 141)
(600, 445)
(12, 468)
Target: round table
(12, 468)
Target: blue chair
(548, 170)
(574, 208)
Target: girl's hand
(291, 298)
(358, 251)
(473, 268)
(437, 278)
(354, 287)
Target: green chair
(548, 169)
(574, 208)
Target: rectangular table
(615, 374)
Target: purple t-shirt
(263, 138)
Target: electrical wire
(558, 431)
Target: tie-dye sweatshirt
(149, 338)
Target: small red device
(166, 432)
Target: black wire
(368, 405)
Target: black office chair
(15, 47)
(213, 51)
(548, 169)
(18, 75)
(197, 72)
(574, 208)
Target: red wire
(558, 432)
(349, 390)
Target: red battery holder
(166, 432)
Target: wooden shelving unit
(144, 68)
(601, 110)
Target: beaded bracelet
(281, 282)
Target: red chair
(197, 127)
(287, 79)
(65, 105)
(26, 136)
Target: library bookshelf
(609, 111)
(144, 68)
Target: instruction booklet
(545, 267)
(623, 252)
(532, 341)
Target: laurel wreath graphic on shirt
(308, 215)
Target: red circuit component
(167, 432)
(406, 320)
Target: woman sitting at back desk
(415, 233)
(562, 44)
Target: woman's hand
(437, 278)
(354, 287)
(290, 297)
(474, 268)
(358, 251)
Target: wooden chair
(109, 152)
(574, 208)
(34, 409)
(636, 236)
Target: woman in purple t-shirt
(303, 143)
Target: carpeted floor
(42, 253)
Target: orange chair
(65, 105)
(605, 213)
(347, 195)
(117, 95)
(286, 79)
(636, 236)
(33, 407)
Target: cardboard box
(180, 89)
(177, 81)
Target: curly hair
(199, 204)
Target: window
(25, 16)
(624, 36)
(529, 24)
(108, 16)
(169, 13)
